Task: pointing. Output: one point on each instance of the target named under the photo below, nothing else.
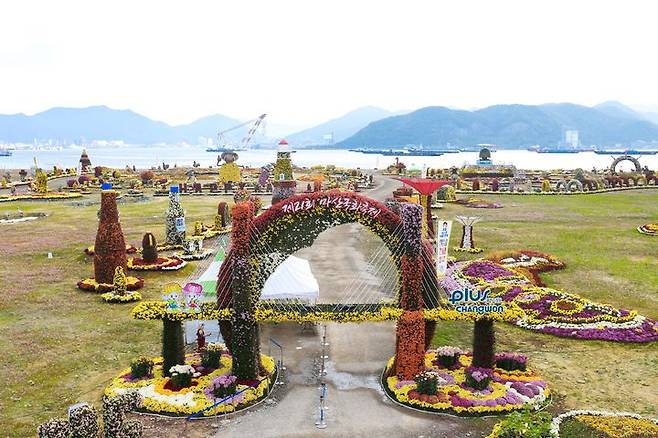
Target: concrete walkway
(357, 354)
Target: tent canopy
(292, 279)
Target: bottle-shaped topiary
(110, 246)
(119, 282)
(174, 219)
(149, 248)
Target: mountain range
(510, 126)
(103, 123)
(507, 126)
(340, 128)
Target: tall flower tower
(284, 183)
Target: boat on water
(557, 151)
(626, 152)
(401, 152)
(5, 153)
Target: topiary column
(174, 219)
(245, 342)
(484, 341)
(173, 345)
(110, 246)
(410, 331)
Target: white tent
(292, 279)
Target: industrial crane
(224, 142)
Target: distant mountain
(339, 128)
(618, 109)
(103, 123)
(508, 126)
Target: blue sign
(475, 300)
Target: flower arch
(260, 244)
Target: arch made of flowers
(616, 161)
(260, 244)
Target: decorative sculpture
(467, 244)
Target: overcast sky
(306, 61)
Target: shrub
(478, 378)
(181, 375)
(83, 422)
(141, 367)
(223, 386)
(114, 413)
(511, 361)
(448, 356)
(525, 424)
(210, 357)
(427, 382)
(147, 176)
(149, 248)
(54, 428)
(132, 429)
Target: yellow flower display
(159, 396)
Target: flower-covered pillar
(174, 219)
(410, 342)
(284, 183)
(244, 343)
(110, 246)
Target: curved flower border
(167, 264)
(158, 399)
(508, 391)
(90, 284)
(557, 421)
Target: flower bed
(53, 196)
(157, 310)
(649, 229)
(202, 387)
(549, 310)
(128, 297)
(90, 284)
(573, 424)
(478, 203)
(130, 249)
(161, 264)
(467, 250)
(194, 256)
(445, 389)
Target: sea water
(147, 156)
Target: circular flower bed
(452, 388)
(603, 424)
(193, 388)
(194, 256)
(90, 284)
(161, 264)
(649, 229)
(130, 249)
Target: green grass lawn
(61, 345)
(607, 261)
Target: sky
(304, 62)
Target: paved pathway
(356, 354)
